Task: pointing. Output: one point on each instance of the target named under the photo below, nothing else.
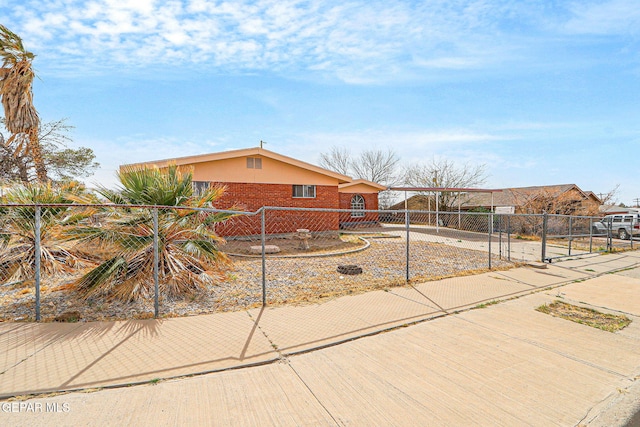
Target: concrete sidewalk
(503, 365)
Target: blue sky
(542, 92)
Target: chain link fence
(565, 236)
(106, 261)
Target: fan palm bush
(188, 248)
(18, 231)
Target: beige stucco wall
(272, 172)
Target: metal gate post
(509, 237)
(406, 225)
(500, 236)
(490, 227)
(38, 255)
(156, 262)
(544, 236)
(590, 235)
(264, 262)
(570, 232)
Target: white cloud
(355, 40)
(609, 17)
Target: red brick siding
(251, 197)
(370, 203)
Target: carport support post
(544, 236)
(264, 263)
(156, 281)
(38, 259)
(406, 225)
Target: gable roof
(356, 182)
(231, 154)
(518, 196)
(593, 195)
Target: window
(200, 187)
(308, 191)
(254, 163)
(357, 206)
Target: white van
(622, 226)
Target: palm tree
(16, 92)
(189, 258)
(18, 231)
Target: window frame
(358, 205)
(305, 190)
(200, 187)
(254, 163)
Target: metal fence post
(489, 228)
(264, 263)
(509, 237)
(544, 236)
(570, 232)
(156, 262)
(406, 225)
(38, 255)
(590, 235)
(500, 236)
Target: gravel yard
(289, 281)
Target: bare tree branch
(62, 163)
(444, 173)
(338, 160)
(377, 166)
(373, 165)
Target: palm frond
(93, 282)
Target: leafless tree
(609, 198)
(377, 166)
(373, 165)
(445, 173)
(338, 160)
(61, 163)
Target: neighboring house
(255, 177)
(418, 202)
(614, 209)
(554, 199)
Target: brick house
(255, 177)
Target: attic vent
(254, 163)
